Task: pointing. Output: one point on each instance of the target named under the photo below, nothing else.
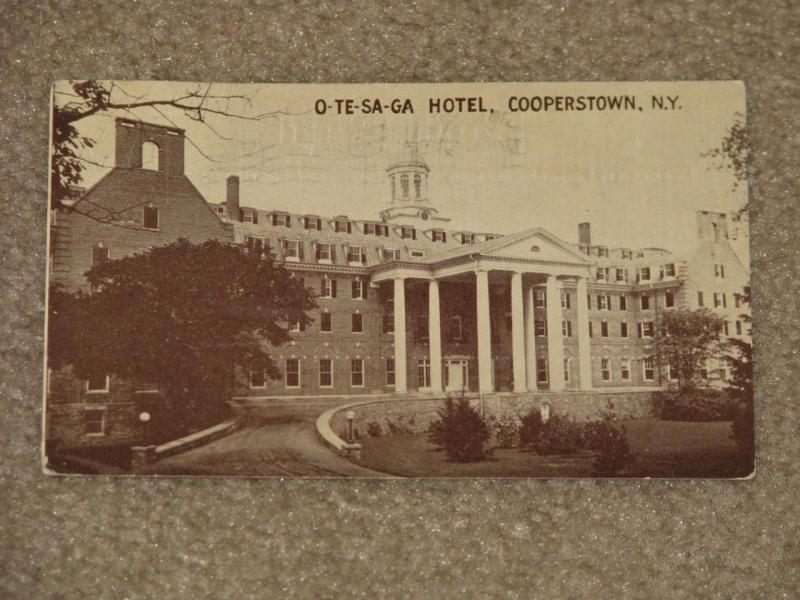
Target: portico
(527, 274)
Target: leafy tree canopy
(180, 316)
(690, 338)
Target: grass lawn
(661, 448)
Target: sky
(638, 176)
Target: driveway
(279, 441)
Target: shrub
(374, 429)
(506, 432)
(694, 404)
(611, 443)
(743, 430)
(560, 435)
(460, 431)
(398, 428)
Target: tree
(733, 155)
(88, 98)
(690, 338)
(460, 431)
(740, 355)
(181, 317)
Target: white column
(555, 341)
(435, 336)
(530, 339)
(484, 332)
(518, 333)
(584, 352)
(400, 369)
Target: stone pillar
(530, 340)
(400, 368)
(485, 383)
(555, 340)
(435, 336)
(518, 334)
(584, 351)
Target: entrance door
(456, 375)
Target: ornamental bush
(694, 404)
(506, 432)
(559, 435)
(611, 443)
(460, 431)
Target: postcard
(399, 280)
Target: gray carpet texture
(100, 537)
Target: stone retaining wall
(414, 415)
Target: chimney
(585, 236)
(232, 199)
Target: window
(292, 372)
(356, 255)
(541, 370)
(648, 368)
(291, 250)
(738, 328)
(672, 372)
(605, 369)
(357, 372)
(323, 252)
(715, 229)
(700, 299)
(311, 222)
(408, 232)
(565, 299)
(704, 370)
(342, 225)
(150, 217)
(150, 156)
(604, 329)
(456, 328)
(717, 299)
(281, 220)
(467, 238)
(589, 301)
(669, 270)
(388, 322)
(358, 323)
(566, 370)
(97, 383)
(623, 329)
(625, 369)
(602, 303)
(327, 287)
(539, 298)
(424, 373)
(388, 254)
(620, 274)
(719, 271)
(94, 422)
(591, 333)
(418, 186)
(725, 328)
(325, 322)
(600, 274)
(404, 185)
(602, 251)
(669, 299)
(257, 245)
(566, 328)
(389, 371)
(325, 372)
(627, 254)
(359, 291)
(439, 236)
(417, 254)
(645, 302)
(421, 330)
(296, 325)
(100, 255)
(394, 187)
(540, 327)
(258, 379)
(724, 300)
(623, 302)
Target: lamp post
(350, 415)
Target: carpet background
(123, 538)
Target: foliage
(741, 387)
(694, 404)
(732, 153)
(506, 431)
(180, 317)
(611, 443)
(374, 429)
(690, 338)
(559, 435)
(460, 431)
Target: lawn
(661, 448)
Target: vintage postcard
(399, 280)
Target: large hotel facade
(408, 303)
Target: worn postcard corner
(399, 280)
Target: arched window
(418, 186)
(394, 186)
(404, 185)
(150, 156)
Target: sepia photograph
(482, 280)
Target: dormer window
(437, 235)
(489, 236)
(408, 232)
(292, 250)
(312, 222)
(417, 254)
(281, 220)
(376, 229)
(150, 156)
(669, 270)
(342, 225)
(585, 249)
(356, 255)
(248, 216)
(467, 238)
(388, 254)
(602, 251)
(324, 252)
(627, 254)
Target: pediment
(536, 245)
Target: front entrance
(456, 375)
